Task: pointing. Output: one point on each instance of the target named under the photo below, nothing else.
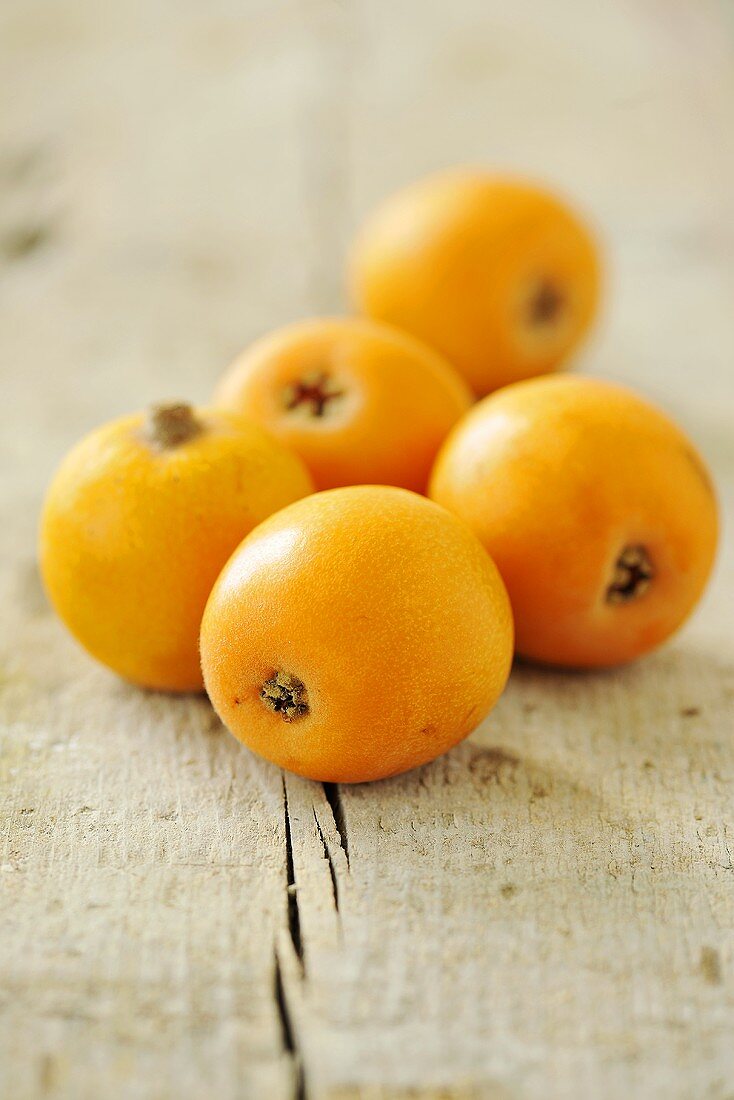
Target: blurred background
(178, 177)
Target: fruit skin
(385, 607)
(133, 537)
(398, 400)
(557, 476)
(460, 260)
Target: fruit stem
(170, 425)
(285, 695)
(633, 575)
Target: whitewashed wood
(548, 912)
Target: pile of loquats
(343, 549)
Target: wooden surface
(548, 912)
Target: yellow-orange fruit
(596, 508)
(138, 521)
(495, 273)
(359, 402)
(356, 634)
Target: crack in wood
(329, 860)
(294, 917)
(288, 1034)
(334, 798)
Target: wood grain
(548, 911)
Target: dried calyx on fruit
(546, 304)
(315, 390)
(633, 575)
(285, 695)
